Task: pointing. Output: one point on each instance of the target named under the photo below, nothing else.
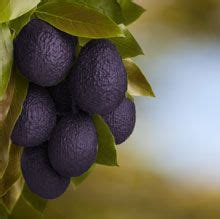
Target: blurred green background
(169, 168)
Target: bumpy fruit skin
(99, 80)
(43, 53)
(37, 119)
(121, 121)
(73, 145)
(39, 175)
(62, 99)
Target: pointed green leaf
(130, 10)
(78, 20)
(107, 154)
(12, 196)
(3, 211)
(34, 200)
(13, 170)
(7, 125)
(17, 24)
(78, 180)
(6, 57)
(137, 83)
(127, 46)
(11, 9)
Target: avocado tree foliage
(86, 19)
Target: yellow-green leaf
(107, 154)
(11, 9)
(7, 125)
(3, 211)
(6, 57)
(137, 83)
(34, 200)
(78, 20)
(13, 170)
(130, 10)
(11, 197)
(78, 180)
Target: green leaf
(127, 46)
(34, 200)
(13, 170)
(110, 8)
(20, 86)
(130, 10)
(3, 212)
(78, 20)
(107, 154)
(11, 197)
(17, 24)
(78, 180)
(6, 57)
(11, 9)
(137, 83)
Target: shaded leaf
(11, 9)
(11, 197)
(6, 126)
(6, 57)
(34, 200)
(78, 20)
(130, 10)
(13, 170)
(127, 46)
(17, 24)
(3, 212)
(107, 154)
(137, 83)
(78, 180)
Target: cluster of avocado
(55, 126)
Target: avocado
(62, 99)
(73, 145)
(43, 53)
(37, 119)
(121, 121)
(39, 175)
(98, 81)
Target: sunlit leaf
(34, 200)
(13, 171)
(11, 9)
(78, 20)
(6, 57)
(6, 127)
(17, 24)
(107, 154)
(137, 83)
(11, 197)
(130, 10)
(78, 180)
(127, 46)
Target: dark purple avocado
(121, 121)
(37, 119)
(73, 145)
(39, 175)
(98, 80)
(43, 53)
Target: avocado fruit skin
(37, 119)
(39, 175)
(122, 120)
(43, 53)
(73, 145)
(98, 81)
(62, 99)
